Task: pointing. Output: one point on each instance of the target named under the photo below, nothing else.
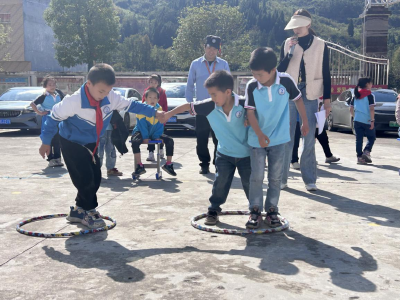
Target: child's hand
(263, 140)
(246, 123)
(160, 115)
(44, 150)
(304, 129)
(146, 141)
(372, 125)
(43, 113)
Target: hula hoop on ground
(62, 234)
(214, 229)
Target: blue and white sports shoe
(76, 214)
(93, 220)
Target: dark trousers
(55, 152)
(324, 142)
(137, 140)
(322, 139)
(362, 129)
(297, 135)
(203, 130)
(84, 172)
(226, 167)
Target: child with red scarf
(362, 109)
(82, 119)
(155, 82)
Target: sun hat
(298, 21)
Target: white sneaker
(295, 165)
(311, 187)
(150, 157)
(59, 162)
(162, 154)
(53, 163)
(284, 186)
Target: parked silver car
(129, 118)
(385, 108)
(175, 92)
(15, 110)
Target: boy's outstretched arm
(302, 111)
(262, 138)
(177, 110)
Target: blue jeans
(226, 167)
(275, 155)
(362, 129)
(108, 146)
(308, 161)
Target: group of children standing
(249, 132)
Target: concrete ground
(344, 240)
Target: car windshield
(385, 96)
(21, 95)
(175, 90)
(121, 91)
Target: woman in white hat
(306, 58)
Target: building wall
(15, 47)
(39, 39)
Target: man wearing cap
(306, 58)
(200, 70)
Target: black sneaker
(204, 170)
(212, 218)
(169, 169)
(139, 170)
(255, 219)
(272, 219)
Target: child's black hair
(263, 58)
(221, 79)
(101, 73)
(156, 77)
(362, 82)
(151, 90)
(46, 79)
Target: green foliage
(5, 32)
(198, 22)
(134, 54)
(350, 28)
(86, 31)
(394, 74)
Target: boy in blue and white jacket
(82, 119)
(151, 129)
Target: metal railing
(347, 66)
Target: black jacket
(119, 133)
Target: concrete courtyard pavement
(344, 240)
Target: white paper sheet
(320, 120)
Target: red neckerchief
(208, 68)
(99, 116)
(364, 93)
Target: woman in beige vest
(306, 58)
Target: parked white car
(129, 118)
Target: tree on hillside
(134, 54)
(198, 22)
(350, 28)
(394, 74)
(85, 31)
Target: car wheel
(127, 121)
(329, 123)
